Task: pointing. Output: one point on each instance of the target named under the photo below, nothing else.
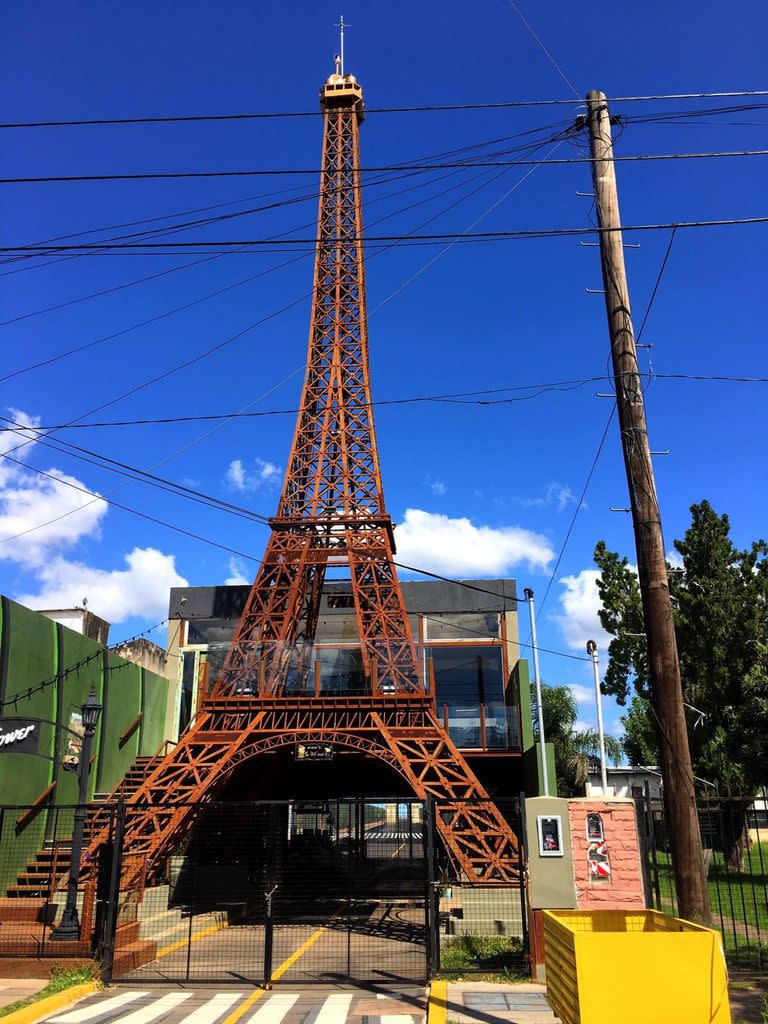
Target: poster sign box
(550, 831)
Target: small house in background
(628, 781)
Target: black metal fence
(35, 862)
(313, 891)
(480, 929)
(734, 834)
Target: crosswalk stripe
(214, 1008)
(334, 1010)
(97, 1009)
(158, 1008)
(273, 1011)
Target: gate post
(432, 906)
(522, 863)
(107, 938)
(268, 936)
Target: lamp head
(91, 710)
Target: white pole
(341, 26)
(592, 652)
(537, 682)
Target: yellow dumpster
(633, 966)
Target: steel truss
(331, 513)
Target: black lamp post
(68, 929)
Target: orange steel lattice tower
(331, 513)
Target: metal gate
(293, 891)
(478, 929)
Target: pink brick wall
(625, 890)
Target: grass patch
(60, 978)
(738, 895)
(482, 958)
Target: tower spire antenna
(340, 56)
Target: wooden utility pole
(664, 667)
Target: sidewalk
(477, 1002)
(12, 989)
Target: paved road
(179, 1005)
(388, 832)
(379, 943)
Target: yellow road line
(197, 935)
(238, 1012)
(398, 849)
(438, 1002)
(201, 935)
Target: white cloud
(457, 547)
(34, 509)
(141, 589)
(675, 559)
(437, 487)
(264, 474)
(238, 574)
(583, 694)
(556, 494)
(579, 606)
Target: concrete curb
(437, 1005)
(51, 1004)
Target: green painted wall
(35, 650)
(534, 785)
(156, 693)
(522, 683)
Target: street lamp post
(68, 929)
(592, 652)
(537, 683)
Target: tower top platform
(343, 91)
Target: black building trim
(5, 637)
(103, 727)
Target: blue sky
(479, 490)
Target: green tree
(577, 751)
(720, 604)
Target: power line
(124, 508)
(548, 55)
(532, 146)
(250, 516)
(75, 666)
(168, 373)
(456, 398)
(424, 108)
(478, 236)
(387, 168)
(517, 643)
(604, 436)
(307, 196)
(136, 474)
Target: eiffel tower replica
(331, 514)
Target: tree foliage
(720, 603)
(577, 751)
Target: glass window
(462, 625)
(337, 627)
(341, 670)
(467, 675)
(208, 631)
(187, 688)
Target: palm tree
(577, 751)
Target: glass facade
(462, 655)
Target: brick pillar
(624, 889)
